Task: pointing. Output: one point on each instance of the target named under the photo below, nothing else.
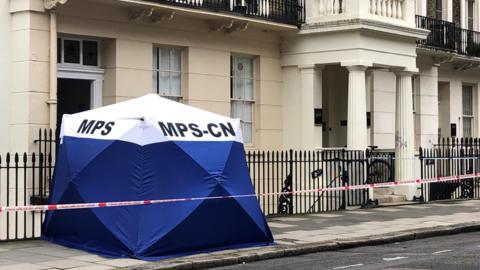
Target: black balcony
(283, 11)
(448, 36)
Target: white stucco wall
(426, 103)
(126, 46)
(4, 73)
(383, 109)
(453, 80)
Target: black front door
(73, 96)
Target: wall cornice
(364, 24)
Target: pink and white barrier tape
(53, 207)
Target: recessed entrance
(73, 96)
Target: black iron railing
(451, 157)
(273, 172)
(283, 11)
(449, 37)
(24, 180)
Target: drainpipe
(51, 5)
(52, 100)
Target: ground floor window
(241, 94)
(467, 104)
(167, 72)
(78, 52)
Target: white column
(409, 13)
(356, 8)
(404, 133)
(476, 16)
(307, 132)
(448, 10)
(427, 106)
(357, 108)
(312, 9)
(463, 14)
(422, 7)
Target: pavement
(294, 235)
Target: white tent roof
(151, 119)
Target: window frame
(439, 9)
(249, 101)
(470, 6)
(158, 71)
(415, 80)
(62, 62)
(469, 117)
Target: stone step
(383, 191)
(382, 199)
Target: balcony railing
(283, 11)
(449, 37)
(397, 12)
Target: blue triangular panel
(239, 183)
(169, 173)
(211, 156)
(81, 229)
(215, 224)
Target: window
(241, 94)
(470, 9)
(467, 102)
(167, 72)
(74, 51)
(414, 103)
(438, 9)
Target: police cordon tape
(423, 158)
(53, 207)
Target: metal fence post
(344, 178)
(290, 202)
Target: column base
(409, 191)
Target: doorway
(73, 96)
(445, 127)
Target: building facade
(397, 74)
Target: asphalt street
(461, 251)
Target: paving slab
(294, 235)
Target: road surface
(461, 251)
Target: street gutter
(232, 257)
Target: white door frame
(93, 74)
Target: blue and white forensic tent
(152, 148)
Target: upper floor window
(439, 9)
(414, 88)
(470, 8)
(241, 94)
(167, 72)
(77, 51)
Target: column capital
(404, 73)
(52, 4)
(308, 66)
(356, 65)
(356, 68)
